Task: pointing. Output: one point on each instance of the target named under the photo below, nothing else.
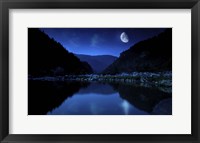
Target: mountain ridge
(97, 62)
(153, 54)
(48, 57)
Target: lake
(83, 98)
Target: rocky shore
(163, 80)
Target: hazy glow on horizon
(100, 41)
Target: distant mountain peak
(97, 62)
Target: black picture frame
(5, 5)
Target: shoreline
(161, 80)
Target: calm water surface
(75, 98)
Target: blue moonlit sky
(99, 41)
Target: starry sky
(99, 41)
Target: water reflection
(125, 106)
(142, 97)
(44, 96)
(74, 98)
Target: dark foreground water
(78, 98)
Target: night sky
(99, 41)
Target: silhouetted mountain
(48, 57)
(154, 54)
(98, 63)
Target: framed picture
(103, 71)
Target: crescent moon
(124, 37)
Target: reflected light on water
(96, 99)
(125, 106)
